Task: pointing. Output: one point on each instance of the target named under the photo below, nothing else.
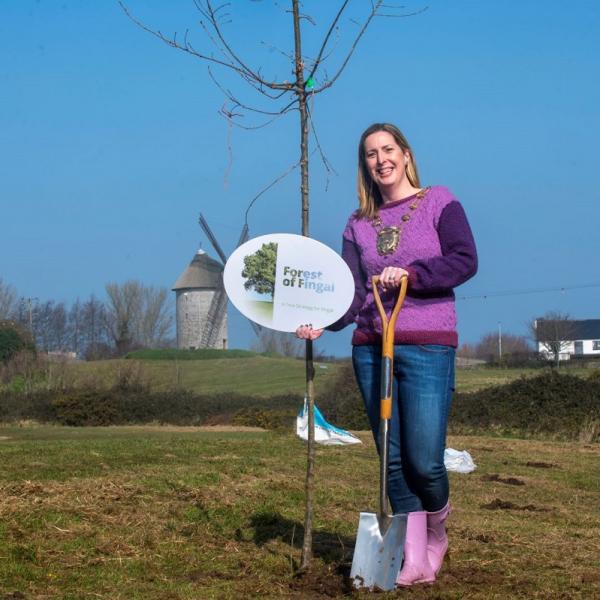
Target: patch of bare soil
(507, 480)
(320, 582)
(13, 596)
(469, 534)
(542, 465)
(590, 577)
(474, 574)
(498, 504)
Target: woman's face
(385, 160)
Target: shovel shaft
(384, 451)
(385, 407)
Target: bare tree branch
(242, 67)
(326, 39)
(229, 152)
(244, 71)
(266, 189)
(8, 300)
(307, 18)
(375, 6)
(230, 116)
(328, 166)
(410, 14)
(237, 103)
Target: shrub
(89, 407)
(550, 404)
(24, 371)
(135, 405)
(595, 375)
(341, 402)
(15, 406)
(13, 339)
(267, 419)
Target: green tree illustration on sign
(259, 269)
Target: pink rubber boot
(415, 566)
(437, 540)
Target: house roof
(588, 329)
(202, 272)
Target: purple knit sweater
(438, 251)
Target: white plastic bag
(459, 461)
(325, 433)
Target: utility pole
(499, 341)
(30, 303)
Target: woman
(404, 230)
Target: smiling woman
(386, 160)
(403, 231)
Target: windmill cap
(203, 272)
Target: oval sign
(283, 280)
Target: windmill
(201, 301)
(220, 306)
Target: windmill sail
(243, 236)
(212, 238)
(213, 324)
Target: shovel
(380, 538)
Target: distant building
(577, 339)
(61, 356)
(201, 305)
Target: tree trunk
(310, 371)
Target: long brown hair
(369, 196)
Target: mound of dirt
(498, 504)
(328, 581)
(506, 480)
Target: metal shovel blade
(378, 555)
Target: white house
(574, 339)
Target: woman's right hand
(306, 332)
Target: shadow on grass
(329, 546)
(326, 579)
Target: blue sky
(111, 143)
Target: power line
(524, 292)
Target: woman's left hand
(306, 332)
(390, 277)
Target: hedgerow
(136, 405)
(554, 404)
(551, 404)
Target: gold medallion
(388, 239)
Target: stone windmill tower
(201, 305)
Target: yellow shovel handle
(387, 343)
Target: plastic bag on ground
(325, 433)
(459, 461)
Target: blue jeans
(423, 383)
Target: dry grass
(155, 513)
(255, 375)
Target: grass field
(471, 380)
(167, 513)
(253, 375)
